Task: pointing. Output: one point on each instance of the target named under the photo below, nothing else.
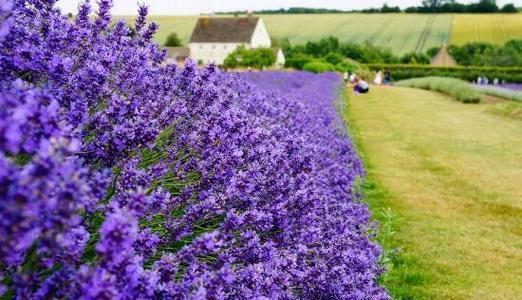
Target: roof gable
(224, 30)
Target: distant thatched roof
(443, 58)
(224, 30)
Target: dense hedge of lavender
(124, 178)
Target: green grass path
(450, 175)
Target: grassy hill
(400, 32)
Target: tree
(323, 46)
(432, 5)
(173, 41)
(432, 51)
(509, 8)
(390, 9)
(484, 6)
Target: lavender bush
(508, 92)
(124, 178)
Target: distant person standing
(387, 77)
(378, 78)
(485, 80)
(479, 80)
(495, 81)
(346, 77)
(353, 77)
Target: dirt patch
(488, 99)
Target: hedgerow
(400, 72)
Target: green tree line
(472, 54)
(427, 6)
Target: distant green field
(400, 32)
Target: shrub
(298, 61)
(173, 40)
(348, 65)
(334, 58)
(415, 58)
(255, 58)
(345, 66)
(317, 66)
(459, 89)
(486, 54)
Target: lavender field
(512, 86)
(505, 91)
(125, 178)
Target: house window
(213, 47)
(200, 47)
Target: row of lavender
(123, 178)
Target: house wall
(260, 38)
(217, 52)
(211, 52)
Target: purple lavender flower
(124, 178)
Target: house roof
(224, 30)
(178, 52)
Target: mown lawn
(445, 182)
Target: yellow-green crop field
(400, 32)
(493, 28)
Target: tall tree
(433, 4)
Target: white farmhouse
(214, 38)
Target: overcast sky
(191, 7)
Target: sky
(193, 7)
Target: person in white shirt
(361, 86)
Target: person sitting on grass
(361, 86)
